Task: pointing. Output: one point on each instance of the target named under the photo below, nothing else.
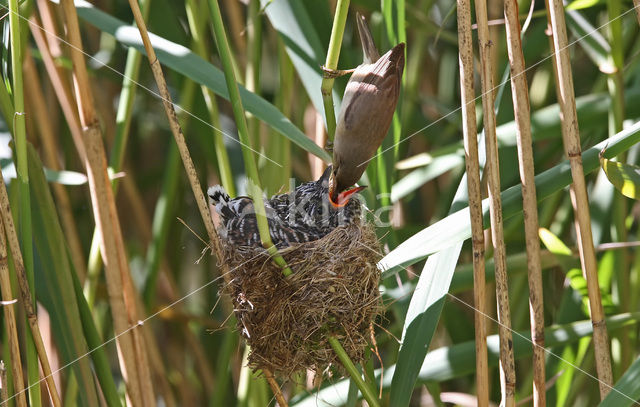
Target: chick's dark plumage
(303, 215)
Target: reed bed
(133, 294)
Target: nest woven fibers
(287, 320)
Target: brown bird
(367, 109)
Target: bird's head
(339, 196)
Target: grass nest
(287, 320)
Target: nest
(333, 291)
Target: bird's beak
(344, 197)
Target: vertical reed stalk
(579, 198)
(520, 95)
(335, 42)
(133, 356)
(243, 134)
(275, 388)
(25, 292)
(8, 308)
(507, 368)
(367, 392)
(636, 5)
(59, 81)
(123, 125)
(49, 143)
(196, 27)
(254, 56)
(20, 140)
(469, 126)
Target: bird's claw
(328, 73)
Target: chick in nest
(303, 215)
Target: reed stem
(49, 141)
(275, 388)
(25, 294)
(255, 191)
(579, 197)
(123, 126)
(22, 165)
(368, 393)
(133, 359)
(333, 53)
(474, 187)
(520, 95)
(507, 365)
(8, 309)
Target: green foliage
(423, 334)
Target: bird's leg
(328, 73)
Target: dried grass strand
(287, 320)
(59, 81)
(25, 291)
(11, 327)
(507, 364)
(50, 158)
(469, 126)
(579, 197)
(133, 357)
(520, 95)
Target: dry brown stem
(60, 84)
(25, 292)
(4, 396)
(469, 125)
(121, 293)
(507, 367)
(520, 95)
(49, 143)
(275, 388)
(11, 327)
(579, 198)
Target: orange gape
(343, 197)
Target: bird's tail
(218, 195)
(371, 54)
(221, 199)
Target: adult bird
(367, 109)
(302, 215)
